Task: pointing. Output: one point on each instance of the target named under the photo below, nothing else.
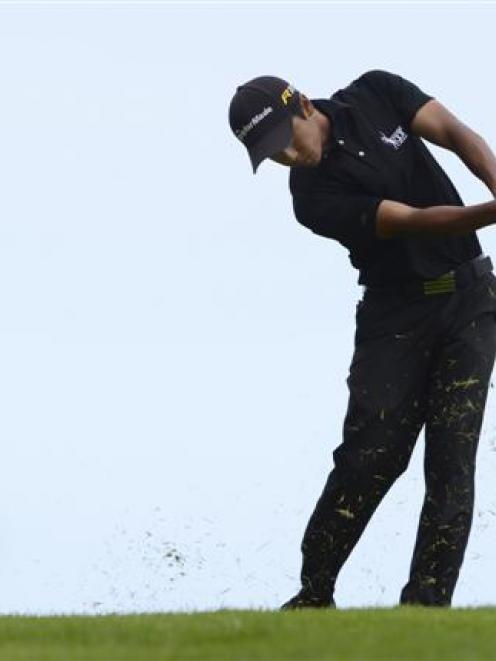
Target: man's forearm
(451, 220)
(474, 151)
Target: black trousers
(418, 359)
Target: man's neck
(325, 127)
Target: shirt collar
(336, 111)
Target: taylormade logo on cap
(241, 134)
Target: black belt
(460, 277)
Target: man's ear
(306, 106)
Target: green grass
(408, 632)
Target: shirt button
(361, 153)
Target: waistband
(450, 281)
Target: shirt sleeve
(344, 216)
(406, 97)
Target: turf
(408, 632)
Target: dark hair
(295, 106)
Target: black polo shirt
(371, 156)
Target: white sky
(174, 346)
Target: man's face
(305, 148)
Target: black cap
(260, 116)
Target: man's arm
(437, 124)
(395, 218)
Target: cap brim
(277, 139)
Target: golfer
(425, 338)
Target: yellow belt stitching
(445, 283)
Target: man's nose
(290, 152)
